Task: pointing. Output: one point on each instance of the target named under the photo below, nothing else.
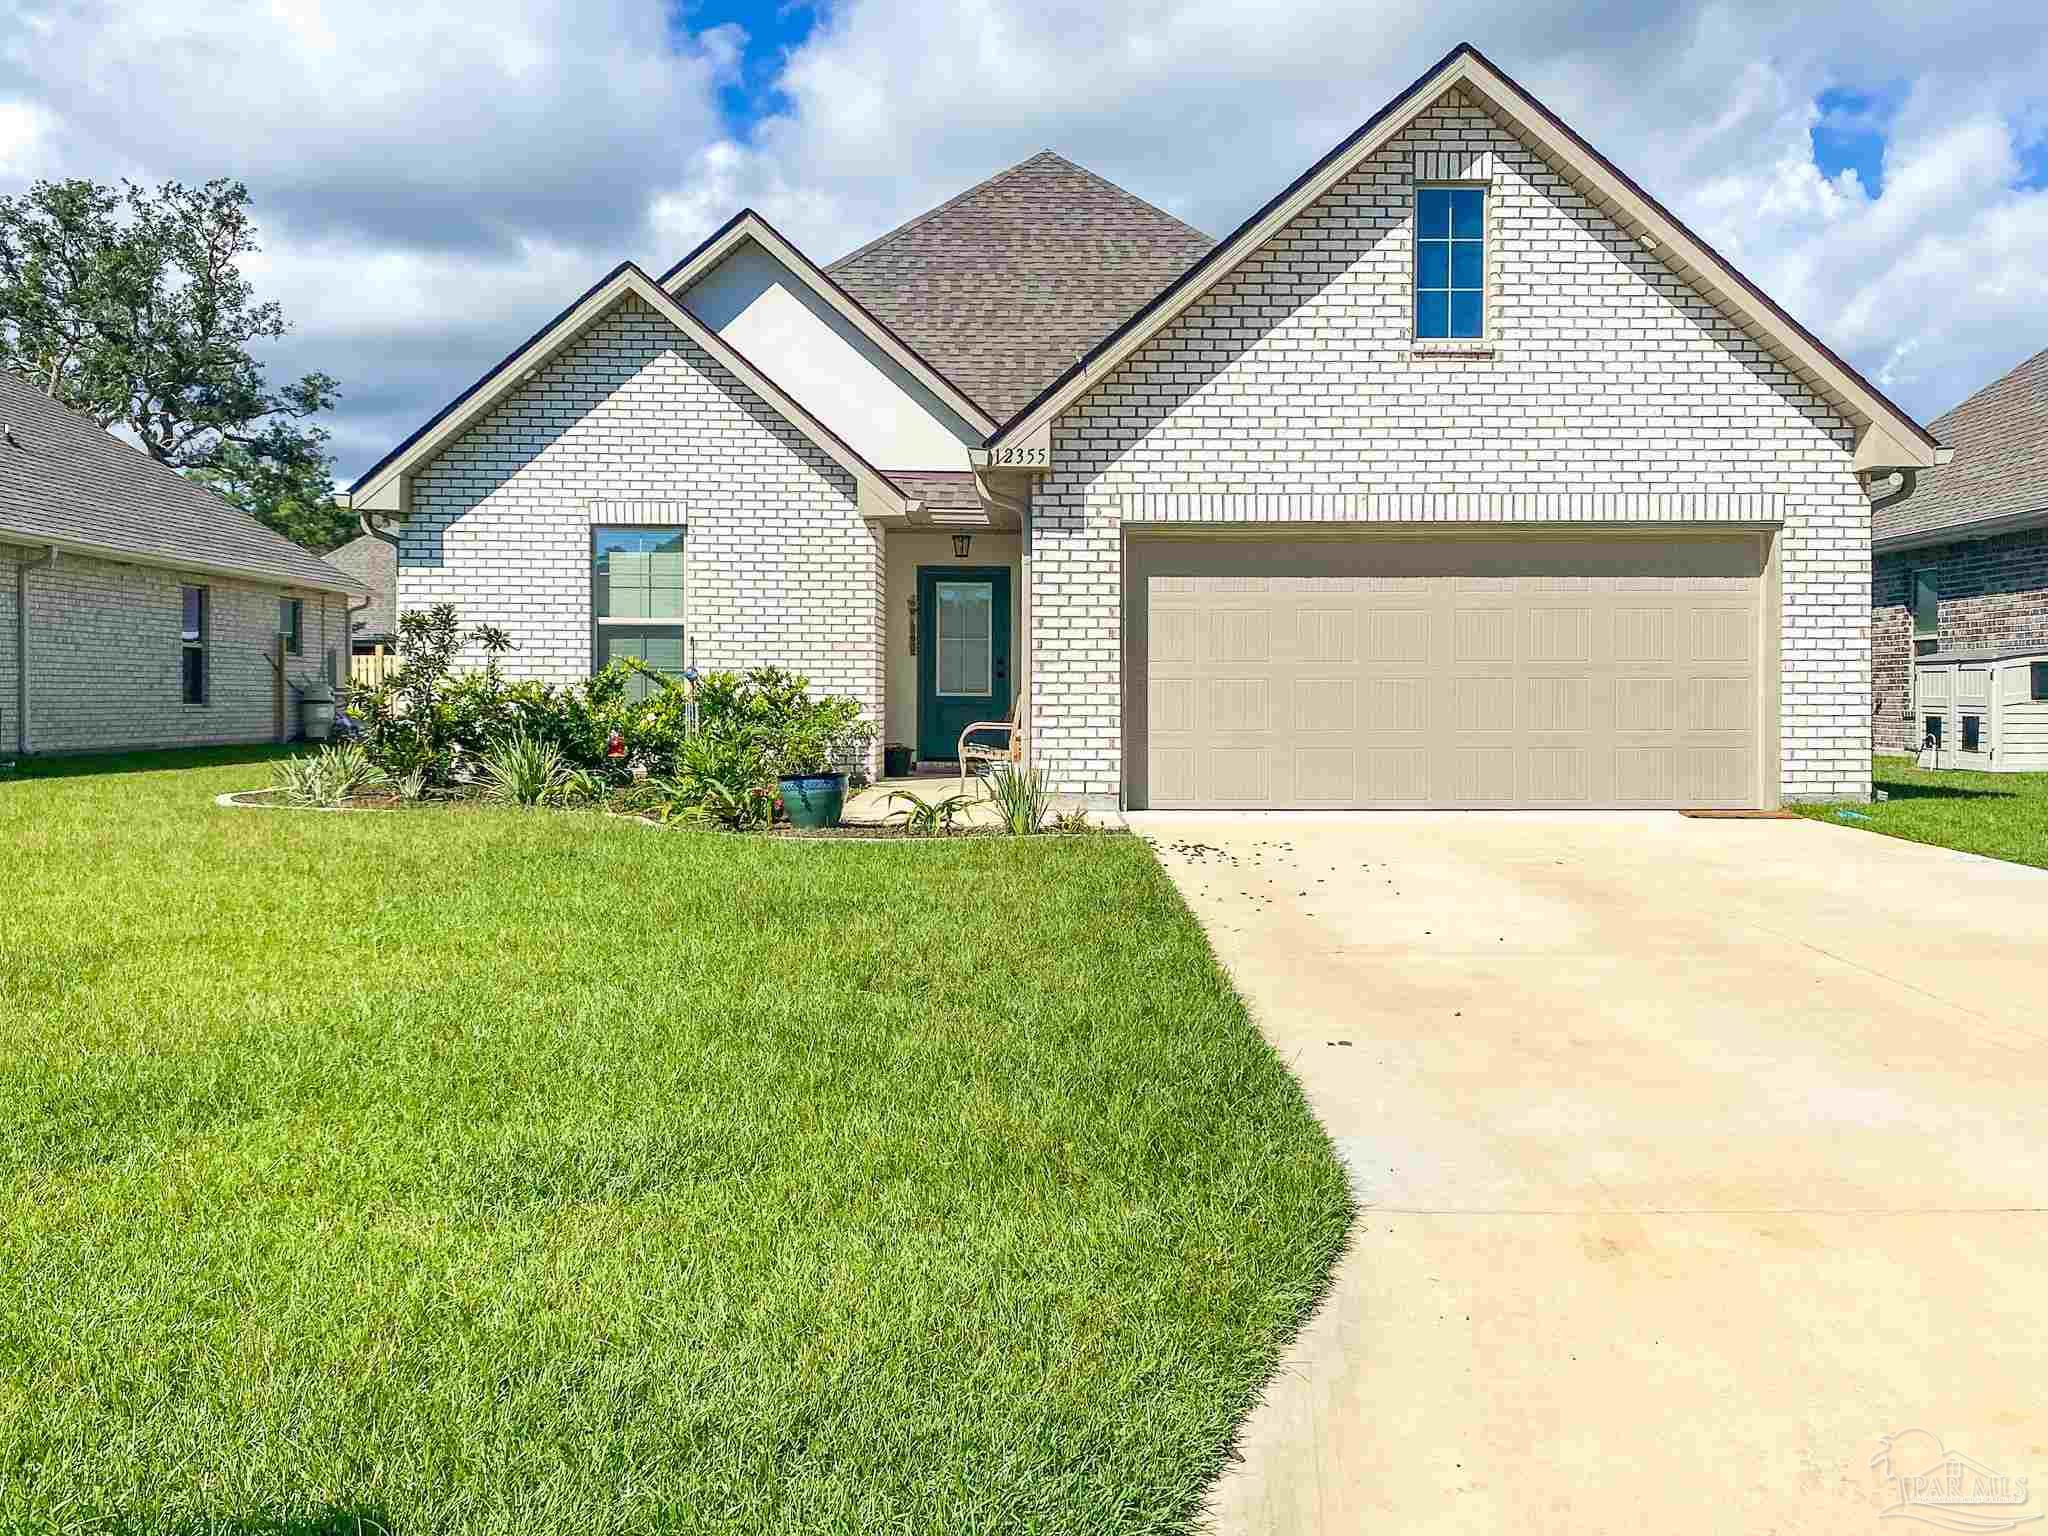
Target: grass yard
(502, 1172)
(2003, 815)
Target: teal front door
(963, 654)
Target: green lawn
(503, 1172)
(2004, 815)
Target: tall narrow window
(636, 599)
(1926, 606)
(291, 623)
(1450, 263)
(192, 644)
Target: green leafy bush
(719, 747)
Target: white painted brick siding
(1617, 395)
(780, 567)
(107, 662)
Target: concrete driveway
(1694, 1156)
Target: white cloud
(435, 180)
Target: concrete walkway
(1695, 1156)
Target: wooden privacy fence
(369, 671)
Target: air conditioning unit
(1983, 709)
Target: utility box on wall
(1986, 710)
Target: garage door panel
(1323, 704)
(1558, 635)
(1398, 706)
(1239, 704)
(1572, 670)
(1556, 704)
(1483, 703)
(1326, 775)
(1558, 776)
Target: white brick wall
(1291, 393)
(107, 662)
(780, 568)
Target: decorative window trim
(635, 512)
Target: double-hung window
(192, 645)
(1450, 263)
(291, 623)
(636, 599)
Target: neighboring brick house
(1460, 474)
(145, 611)
(1961, 568)
(372, 563)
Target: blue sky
(434, 180)
(772, 31)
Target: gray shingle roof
(374, 566)
(2000, 435)
(941, 490)
(63, 479)
(1005, 285)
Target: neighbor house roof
(1005, 285)
(373, 562)
(65, 480)
(2000, 472)
(1889, 437)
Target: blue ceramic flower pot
(814, 799)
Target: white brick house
(1460, 474)
(144, 611)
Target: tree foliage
(130, 305)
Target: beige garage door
(1510, 670)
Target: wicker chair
(974, 755)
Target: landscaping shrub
(328, 777)
(1021, 798)
(524, 770)
(720, 751)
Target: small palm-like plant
(521, 770)
(330, 776)
(921, 818)
(1021, 798)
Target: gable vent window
(636, 600)
(1450, 263)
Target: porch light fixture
(911, 604)
(962, 542)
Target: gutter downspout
(1908, 479)
(21, 689)
(367, 521)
